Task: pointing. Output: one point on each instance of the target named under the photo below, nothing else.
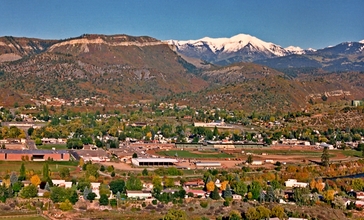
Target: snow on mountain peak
(362, 41)
(233, 44)
(294, 50)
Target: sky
(304, 23)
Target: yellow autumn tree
(210, 186)
(224, 184)
(329, 195)
(312, 184)
(35, 180)
(319, 185)
(82, 162)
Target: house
(58, 182)
(196, 192)
(95, 189)
(197, 183)
(139, 194)
(237, 197)
(359, 203)
(257, 162)
(359, 195)
(294, 183)
(148, 186)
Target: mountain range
(346, 56)
(239, 48)
(122, 69)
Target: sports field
(194, 154)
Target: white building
(294, 183)
(140, 194)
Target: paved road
(31, 144)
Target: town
(171, 160)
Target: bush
(191, 209)
(204, 204)
(113, 202)
(154, 202)
(226, 203)
(143, 204)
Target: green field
(54, 166)
(352, 153)
(50, 146)
(191, 154)
(285, 152)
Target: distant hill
(119, 68)
(14, 48)
(253, 87)
(122, 69)
(348, 56)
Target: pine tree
(13, 178)
(227, 192)
(22, 175)
(215, 194)
(86, 191)
(325, 159)
(250, 159)
(46, 187)
(45, 171)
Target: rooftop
(154, 160)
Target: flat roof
(208, 164)
(9, 151)
(155, 160)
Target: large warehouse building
(153, 161)
(34, 155)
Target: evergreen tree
(249, 160)
(216, 132)
(104, 200)
(47, 187)
(13, 178)
(215, 194)
(45, 172)
(22, 175)
(86, 191)
(325, 158)
(118, 196)
(227, 192)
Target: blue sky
(304, 23)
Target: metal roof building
(153, 161)
(208, 164)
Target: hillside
(257, 88)
(118, 68)
(14, 48)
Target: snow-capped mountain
(239, 48)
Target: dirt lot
(283, 154)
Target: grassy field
(285, 152)
(191, 154)
(352, 153)
(50, 146)
(54, 166)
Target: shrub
(191, 209)
(204, 204)
(154, 202)
(143, 204)
(113, 202)
(226, 203)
